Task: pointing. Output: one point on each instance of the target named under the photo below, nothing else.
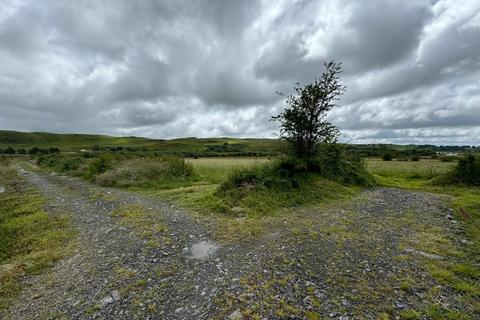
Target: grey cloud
(211, 68)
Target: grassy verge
(463, 274)
(30, 239)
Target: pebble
(235, 315)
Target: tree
(303, 123)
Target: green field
(407, 173)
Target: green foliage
(303, 123)
(333, 163)
(271, 187)
(415, 158)
(387, 156)
(467, 172)
(146, 172)
(293, 181)
(123, 170)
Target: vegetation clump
(119, 170)
(145, 171)
(387, 157)
(467, 172)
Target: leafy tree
(303, 123)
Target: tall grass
(214, 170)
(146, 172)
(424, 169)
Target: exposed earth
(137, 257)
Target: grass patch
(30, 239)
(149, 227)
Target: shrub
(33, 150)
(67, 164)
(467, 171)
(415, 158)
(387, 157)
(447, 158)
(287, 173)
(145, 171)
(9, 150)
(96, 166)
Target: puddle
(203, 249)
(2, 189)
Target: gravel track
(341, 261)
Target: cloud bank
(212, 67)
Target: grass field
(407, 173)
(214, 170)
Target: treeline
(404, 152)
(34, 150)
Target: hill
(193, 147)
(185, 146)
(67, 142)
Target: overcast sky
(210, 68)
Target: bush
(447, 158)
(467, 171)
(387, 157)
(287, 173)
(415, 158)
(145, 171)
(9, 150)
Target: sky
(210, 68)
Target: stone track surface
(344, 261)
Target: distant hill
(193, 147)
(185, 146)
(67, 142)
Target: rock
(115, 295)
(105, 301)
(319, 294)
(235, 315)
(2, 189)
(178, 310)
(310, 284)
